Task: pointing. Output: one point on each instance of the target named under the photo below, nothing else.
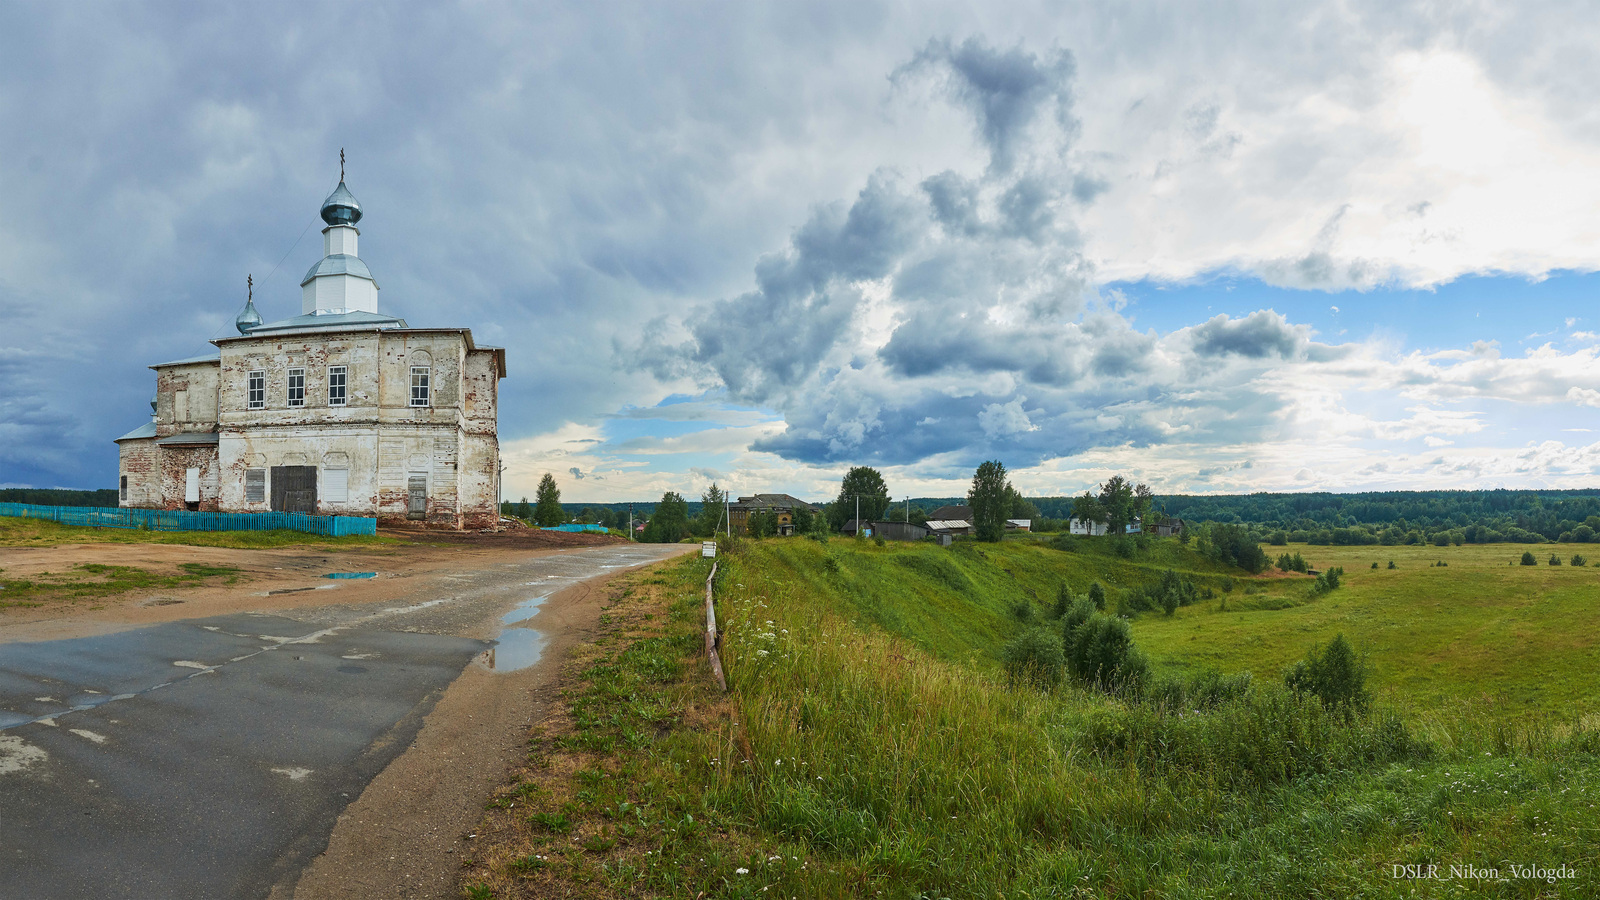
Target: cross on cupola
(341, 282)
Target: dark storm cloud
(805, 299)
(1005, 90)
(1260, 334)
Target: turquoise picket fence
(183, 520)
(597, 529)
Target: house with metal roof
(782, 506)
(341, 410)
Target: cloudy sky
(1218, 247)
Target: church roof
(327, 322)
(190, 361)
(147, 430)
(339, 264)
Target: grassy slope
(1506, 639)
(868, 747)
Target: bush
(1295, 563)
(1035, 658)
(1022, 610)
(1327, 581)
(1527, 558)
(1334, 674)
(1063, 601)
(1101, 653)
(1227, 584)
(1374, 565)
(1081, 611)
(1555, 560)
(1392, 565)
(1578, 560)
(1097, 595)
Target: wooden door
(294, 489)
(417, 507)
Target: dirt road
(292, 736)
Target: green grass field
(870, 745)
(1480, 632)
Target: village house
(782, 506)
(341, 410)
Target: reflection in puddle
(517, 646)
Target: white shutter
(336, 485)
(191, 486)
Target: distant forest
(1378, 517)
(53, 497)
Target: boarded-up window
(255, 485)
(191, 486)
(336, 485)
(123, 487)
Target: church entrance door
(294, 489)
(417, 487)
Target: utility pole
(630, 521)
(858, 515)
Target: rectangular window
(336, 385)
(297, 387)
(123, 487)
(255, 485)
(258, 390)
(419, 385)
(336, 485)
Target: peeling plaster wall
(138, 463)
(186, 398)
(173, 467)
(377, 436)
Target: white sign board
(708, 549)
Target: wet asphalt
(210, 758)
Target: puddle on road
(517, 645)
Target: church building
(341, 410)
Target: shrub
(1578, 560)
(1036, 658)
(1022, 610)
(1063, 601)
(1081, 611)
(1097, 595)
(1227, 584)
(879, 541)
(1374, 565)
(1334, 674)
(1527, 558)
(1392, 565)
(1555, 560)
(1327, 581)
(1101, 653)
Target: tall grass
(872, 745)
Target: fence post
(712, 639)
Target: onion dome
(248, 317)
(341, 207)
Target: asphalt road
(210, 758)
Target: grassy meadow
(870, 745)
(1480, 634)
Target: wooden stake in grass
(711, 632)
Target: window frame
(255, 390)
(298, 372)
(258, 475)
(425, 398)
(342, 398)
